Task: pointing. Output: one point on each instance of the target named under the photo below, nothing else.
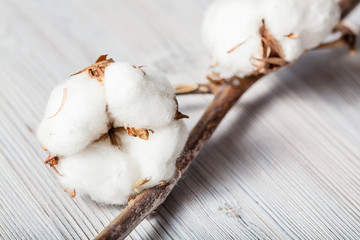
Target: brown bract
(52, 161)
(141, 133)
(271, 51)
(139, 68)
(178, 115)
(72, 193)
(111, 134)
(97, 69)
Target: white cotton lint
(156, 157)
(75, 115)
(100, 171)
(310, 20)
(140, 97)
(231, 30)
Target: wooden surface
(284, 164)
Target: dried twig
(149, 200)
(201, 88)
(347, 6)
(348, 38)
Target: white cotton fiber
(81, 120)
(311, 20)
(101, 171)
(156, 157)
(138, 97)
(227, 24)
(231, 30)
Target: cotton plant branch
(148, 201)
(347, 6)
(227, 92)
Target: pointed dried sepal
(52, 161)
(72, 193)
(101, 58)
(179, 115)
(139, 68)
(97, 69)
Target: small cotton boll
(75, 116)
(156, 157)
(231, 30)
(140, 97)
(101, 171)
(228, 24)
(311, 20)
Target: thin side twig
(201, 88)
(347, 6)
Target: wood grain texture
(284, 164)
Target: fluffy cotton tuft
(139, 96)
(157, 156)
(311, 20)
(231, 30)
(81, 119)
(101, 171)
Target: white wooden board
(284, 164)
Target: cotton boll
(69, 127)
(228, 24)
(311, 20)
(156, 157)
(139, 97)
(231, 30)
(101, 171)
